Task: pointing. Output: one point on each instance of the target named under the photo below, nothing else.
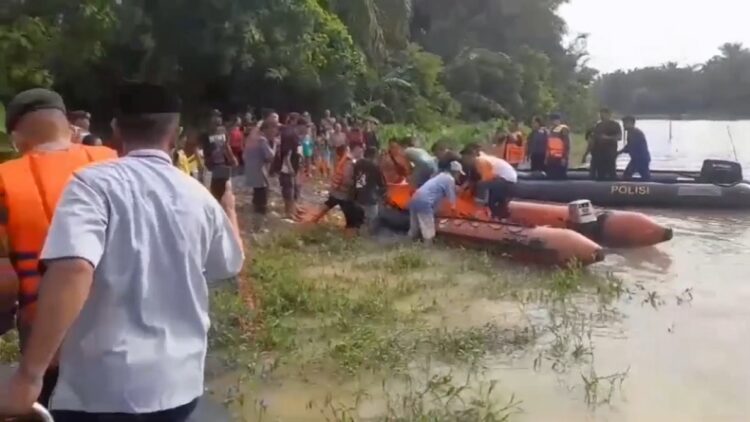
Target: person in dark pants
(287, 162)
(218, 157)
(558, 149)
(258, 153)
(369, 187)
(536, 146)
(637, 147)
(342, 190)
(603, 147)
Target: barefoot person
(30, 188)
(126, 261)
(428, 198)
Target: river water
(688, 359)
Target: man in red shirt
(236, 138)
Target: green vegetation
(9, 351)
(421, 62)
(717, 88)
(360, 312)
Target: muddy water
(687, 347)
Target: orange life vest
(514, 153)
(32, 186)
(337, 182)
(555, 145)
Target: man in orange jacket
(30, 188)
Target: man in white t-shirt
(495, 180)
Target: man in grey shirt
(258, 155)
(124, 293)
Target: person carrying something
(396, 168)
(218, 155)
(536, 147)
(603, 147)
(341, 193)
(496, 180)
(258, 153)
(444, 154)
(369, 187)
(30, 188)
(513, 145)
(427, 199)
(637, 147)
(558, 149)
(129, 252)
(424, 165)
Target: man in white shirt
(124, 296)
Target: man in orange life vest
(512, 146)
(558, 149)
(30, 188)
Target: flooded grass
(353, 312)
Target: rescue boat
(608, 228)
(539, 245)
(719, 185)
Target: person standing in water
(603, 147)
(637, 147)
(124, 292)
(427, 199)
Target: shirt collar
(150, 153)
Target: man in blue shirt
(637, 147)
(428, 198)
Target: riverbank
(380, 329)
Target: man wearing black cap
(603, 146)
(30, 188)
(127, 258)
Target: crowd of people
(111, 256)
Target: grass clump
(9, 348)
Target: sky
(625, 34)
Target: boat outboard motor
(583, 219)
(719, 172)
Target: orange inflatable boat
(542, 245)
(611, 228)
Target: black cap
(144, 98)
(30, 101)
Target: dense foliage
(412, 61)
(718, 88)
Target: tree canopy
(718, 88)
(415, 61)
